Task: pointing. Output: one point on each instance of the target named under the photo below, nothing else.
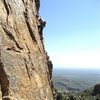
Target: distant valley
(75, 80)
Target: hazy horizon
(72, 67)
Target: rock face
(24, 74)
(97, 89)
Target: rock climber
(41, 24)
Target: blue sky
(72, 33)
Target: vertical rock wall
(24, 72)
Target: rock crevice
(4, 82)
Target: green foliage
(85, 95)
(60, 96)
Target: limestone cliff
(24, 73)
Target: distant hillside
(90, 94)
(75, 80)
